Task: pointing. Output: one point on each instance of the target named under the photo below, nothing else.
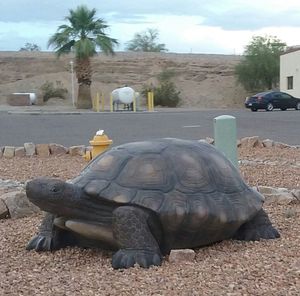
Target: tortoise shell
(186, 183)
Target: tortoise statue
(143, 199)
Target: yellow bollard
(150, 101)
(97, 103)
(99, 144)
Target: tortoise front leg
(50, 237)
(131, 230)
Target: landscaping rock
(20, 152)
(42, 150)
(210, 140)
(281, 145)
(3, 209)
(77, 150)
(29, 149)
(18, 204)
(251, 142)
(268, 143)
(182, 255)
(277, 195)
(296, 193)
(57, 149)
(9, 152)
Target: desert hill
(205, 81)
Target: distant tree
(30, 47)
(84, 34)
(259, 69)
(146, 41)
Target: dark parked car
(270, 100)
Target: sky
(184, 26)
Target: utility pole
(72, 82)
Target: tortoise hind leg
(133, 229)
(260, 227)
(50, 237)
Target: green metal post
(225, 137)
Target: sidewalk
(68, 109)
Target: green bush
(50, 91)
(165, 94)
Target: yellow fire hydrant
(99, 144)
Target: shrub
(50, 91)
(165, 94)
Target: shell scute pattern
(108, 165)
(184, 182)
(150, 171)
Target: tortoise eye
(54, 189)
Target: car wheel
(253, 109)
(283, 109)
(269, 107)
(298, 106)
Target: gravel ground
(228, 268)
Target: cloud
(213, 26)
(228, 14)
(240, 19)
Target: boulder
(77, 150)
(3, 209)
(210, 140)
(18, 204)
(20, 152)
(42, 150)
(57, 149)
(182, 255)
(29, 149)
(251, 142)
(281, 145)
(9, 152)
(296, 193)
(276, 195)
(268, 143)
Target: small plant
(50, 91)
(165, 94)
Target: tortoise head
(51, 194)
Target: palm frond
(84, 34)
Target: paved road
(75, 129)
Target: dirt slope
(204, 80)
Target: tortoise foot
(40, 243)
(126, 258)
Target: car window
(285, 96)
(277, 95)
(269, 95)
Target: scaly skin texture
(50, 237)
(135, 239)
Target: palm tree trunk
(84, 74)
(84, 99)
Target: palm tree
(83, 36)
